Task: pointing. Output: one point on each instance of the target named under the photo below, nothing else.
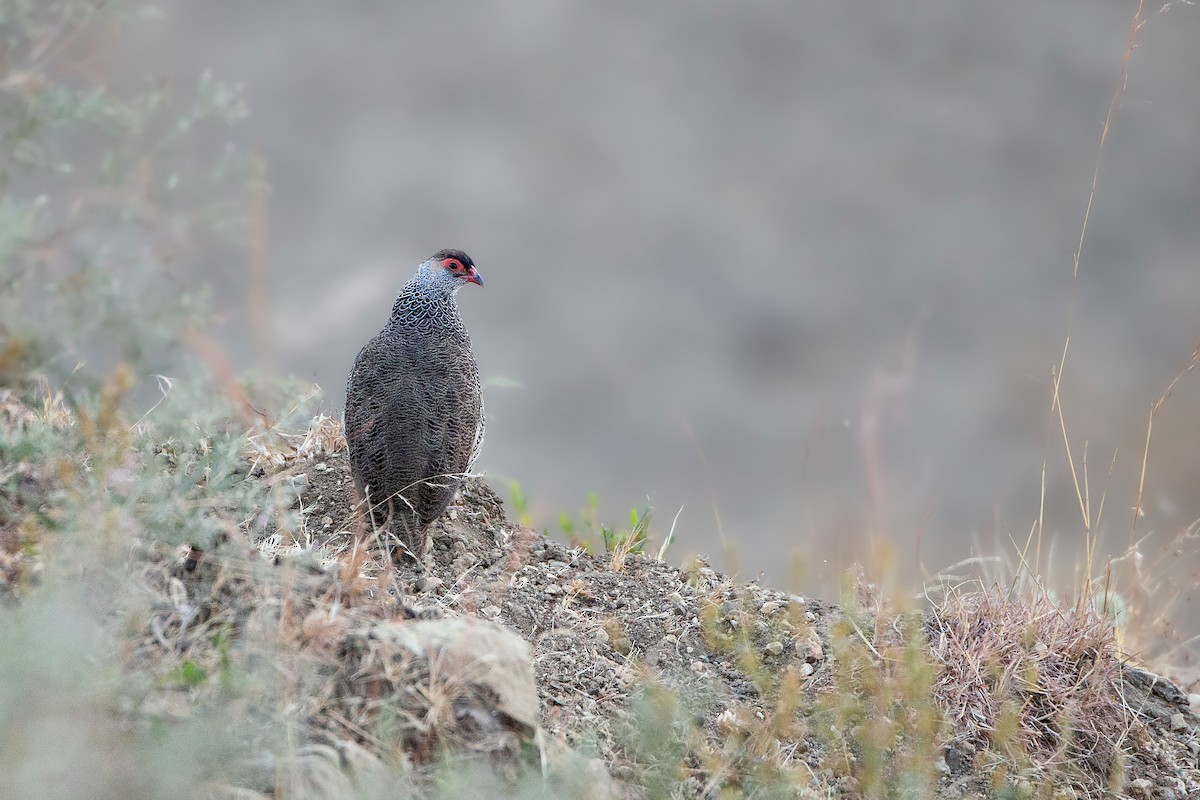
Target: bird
(414, 416)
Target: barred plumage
(414, 414)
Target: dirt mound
(747, 686)
(510, 664)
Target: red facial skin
(469, 274)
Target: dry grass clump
(272, 448)
(1030, 684)
(26, 481)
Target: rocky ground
(509, 664)
(608, 635)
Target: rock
(460, 654)
(810, 648)
(955, 760)
(569, 774)
(1140, 787)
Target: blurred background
(803, 270)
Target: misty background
(802, 269)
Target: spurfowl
(414, 415)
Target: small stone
(1178, 722)
(1194, 703)
(1194, 746)
(428, 583)
(806, 670)
(770, 607)
(320, 466)
(327, 521)
(697, 667)
(773, 648)
(809, 648)
(489, 612)
(1140, 786)
(553, 590)
(955, 760)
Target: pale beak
(473, 276)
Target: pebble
(428, 583)
(954, 759)
(770, 607)
(773, 648)
(1140, 786)
(320, 466)
(1194, 703)
(809, 648)
(806, 670)
(1178, 723)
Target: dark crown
(459, 255)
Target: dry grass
(1031, 684)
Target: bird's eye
(454, 264)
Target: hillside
(285, 657)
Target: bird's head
(450, 270)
